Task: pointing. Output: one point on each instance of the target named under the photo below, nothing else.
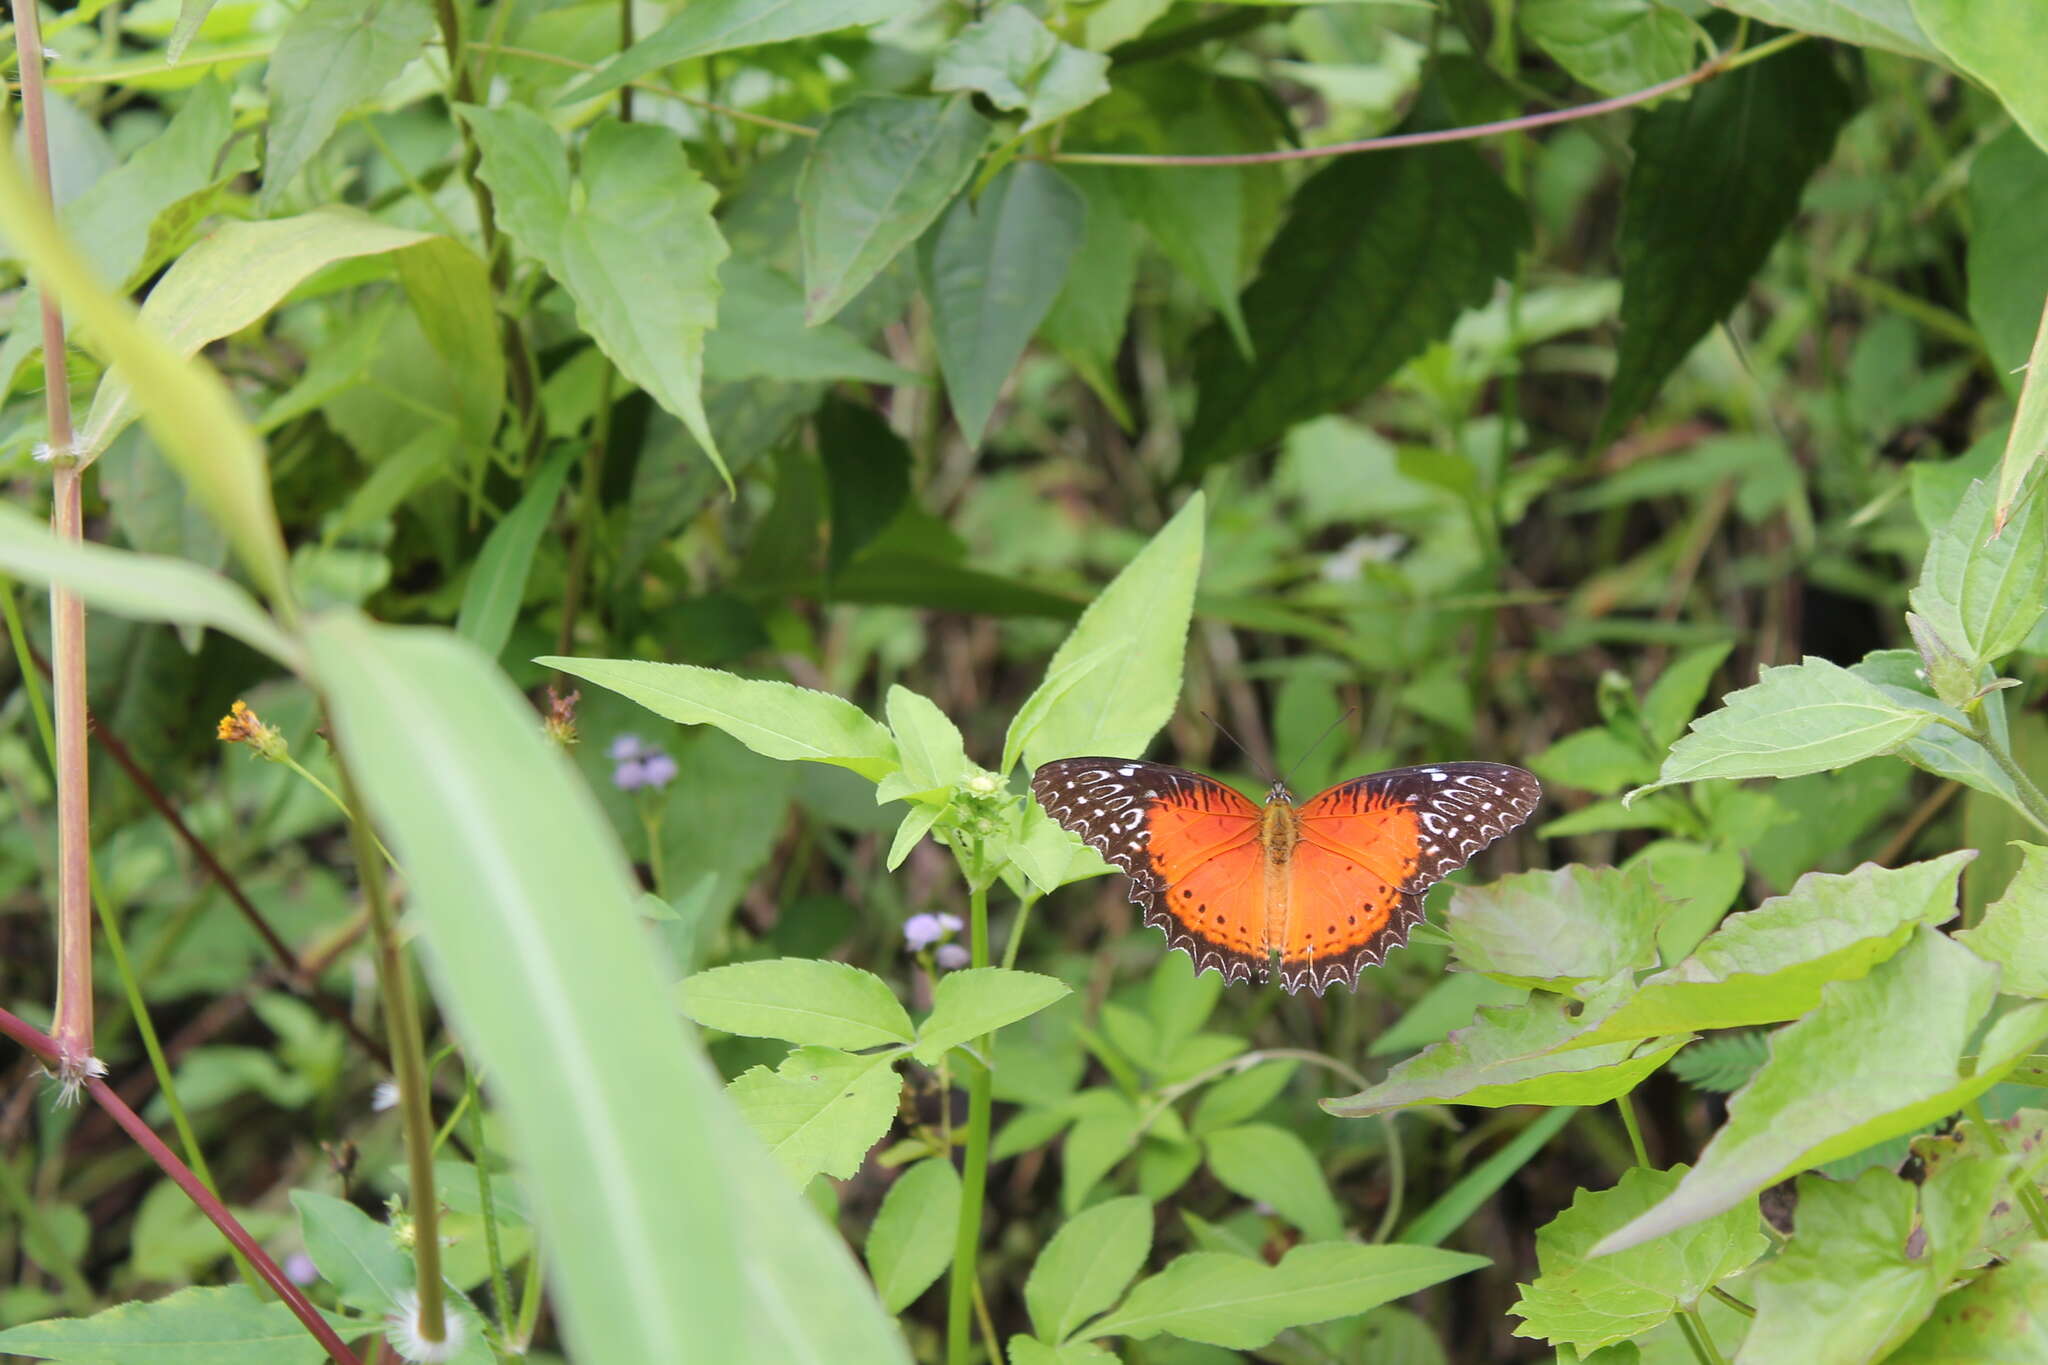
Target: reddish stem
(45, 1047)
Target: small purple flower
(630, 775)
(952, 956)
(921, 932)
(299, 1268)
(659, 768)
(624, 747)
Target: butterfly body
(1316, 890)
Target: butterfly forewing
(1459, 808)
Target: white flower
(402, 1330)
(386, 1096)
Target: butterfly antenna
(1327, 730)
(1264, 776)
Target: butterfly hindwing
(1189, 845)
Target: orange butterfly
(1328, 887)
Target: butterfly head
(1278, 792)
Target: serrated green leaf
(1020, 64)
(1589, 1304)
(1770, 964)
(709, 27)
(1999, 1316)
(354, 1253)
(1270, 1165)
(224, 1326)
(332, 56)
(1087, 1264)
(911, 1242)
(2014, 930)
(1614, 46)
(1879, 1057)
(1888, 25)
(967, 1004)
(775, 719)
(1557, 929)
(799, 1000)
(1242, 1304)
(1982, 595)
(1940, 749)
(821, 1110)
(1736, 153)
(928, 742)
(761, 334)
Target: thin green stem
(1737, 1304)
(1017, 929)
(1697, 1336)
(529, 1303)
(1397, 1179)
(347, 812)
(501, 1286)
(1635, 1132)
(409, 1062)
(2031, 804)
(974, 1172)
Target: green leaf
(1019, 63)
(140, 587)
(911, 832)
(1771, 963)
(1676, 695)
(1589, 1304)
(225, 1326)
(1885, 24)
(991, 272)
(1087, 320)
(867, 476)
(967, 1004)
(1940, 749)
(1595, 760)
(2014, 929)
(1087, 1264)
(1097, 1142)
(762, 335)
(1270, 1165)
(934, 756)
(624, 1136)
(1736, 153)
(1799, 718)
(1983, 596)
(1614, 46)
(878, 174)
(354, 1252)
(1135, 633)
(708, 27)
(1994, 41)
(332, 56)
(776, 719)
(1344, 299)
(1242, 1304)
(1557, 929)
(1862, 1271)
(1025, 1350)
(821, 1110)
(1879, 1057)
(799, 1000)
(1515, 1054)
(2006, 270)
(2000, 1314)
(2027, 442)
(911, 1242)
(497, 582)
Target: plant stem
(73, 1028)
(1737, 1304)
(1635, 1133)
(1697, 1336)
(501, 1287)
(409, 1063)
(2032, 803)
(45, 1047)
(974, 1173)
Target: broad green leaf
(1343, 299)
(967, 1004)
(1983, 596)
(332, 56)
(992, 269)
(1995, 41)
(1242, 1304)
(1940, 749)
(1087, 320)
(1614, 46)
(1589, 1304)
(1450, 1003)
(1769, 964)
(879, 173)
(867, 476)
(633, 242)
(1270, 1165)
(1047, 855)
(707, 27)
(138, 586)
(1136, 631)
(1179, 1002)
(1675, 697)
(497, 581)
(934, 756)
(2027, 442)
(2014, 930)
(1517, 1054)
(1097, 1142)
(1595, 760)
(911, 832)
(622, 1135)
(1863, 1271)
(1702, 880)
(776, 719)
(1736, 152)
(224, 1326)
(191, 14)
(911, 1242)
(1557, 929)
(354, 1252)
(799, 1000)
(1087, 1264)
(1800, 718)
(2008, 274)
(1025, 1350)
(1020, 64)
(2001, 1315)
(194, 420)
(821, 1110)
(761, 334)
(1885, 24)
(1879, 1057)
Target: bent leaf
(799, 1000)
